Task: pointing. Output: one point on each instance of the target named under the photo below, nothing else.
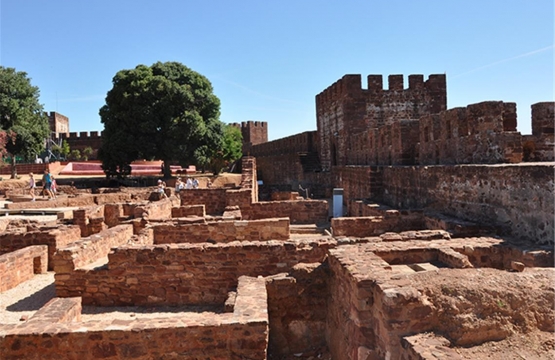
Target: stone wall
(214, 200)
(297, 307)
(365, 226)
(540, 146)
(73, 201)
(517, 198)
(90, 249)
(188, 210)
(54, 238)
(183, 273)
(242, 334)
(482, 133)
(345, 109)
(223, 231)
(19, 266)
(298, 211)
(161, 209)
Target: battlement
(254, 123)
(83, 135)
(350, 86)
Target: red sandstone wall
(517, 197)
(482, 133)
(344, 109)
(90, 249)
(19, 266)
(54, 238)
(223, 231)
(172, 275)
(240, 335)
(298, 211)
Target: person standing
(53, 187)
(47, 179)
(179, 185)
(32, 186)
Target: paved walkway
(26, 298)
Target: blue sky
(267, 60)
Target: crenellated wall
(344, 109)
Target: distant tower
(59, 124)
(253, 132)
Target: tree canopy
(21, 115)
(165, 111)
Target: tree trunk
(14, 170)
(167, 170)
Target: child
(53, 186)
(32, 186)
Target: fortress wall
(518, 198)
(344, 109)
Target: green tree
(75, 155)
(61, 151)
(229, 151)
(87, 152)
(165, 111)
(21, 116)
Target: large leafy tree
(165, 111)
(229, 151)
(21, 116)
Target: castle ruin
(444, 250)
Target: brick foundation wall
(54, 238)
(90, 249)
(240, 334)
(518, 198)
(188, 210)
(297, 307)
(73, 201)
(183, 273)
(161, 209)
(298, 211)
(19, 266)
(223, 231)
(393, 221)
(214, 200)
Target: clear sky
(267, 60)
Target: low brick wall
(54, 238)
(90, 219)
(297, 306)
(364, 226)
(298, 211)
(59, 310)
(90, 249)
(184, 273)
(214, 200)
(161, 209)
(72, 201)
(223, 231)
(241, 334)
(188, 210)
(19, 266)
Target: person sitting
(162, 189)
(179, 185)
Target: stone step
(307, 229)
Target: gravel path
(26, 298)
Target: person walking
(48, 183)
(54, 187)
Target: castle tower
(345, 109)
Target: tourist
(179, 185)
(209, 184)
(32, 186)
(189, 183)
(162, 189)
(47, 184)
(53, 187)
(195, 183)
